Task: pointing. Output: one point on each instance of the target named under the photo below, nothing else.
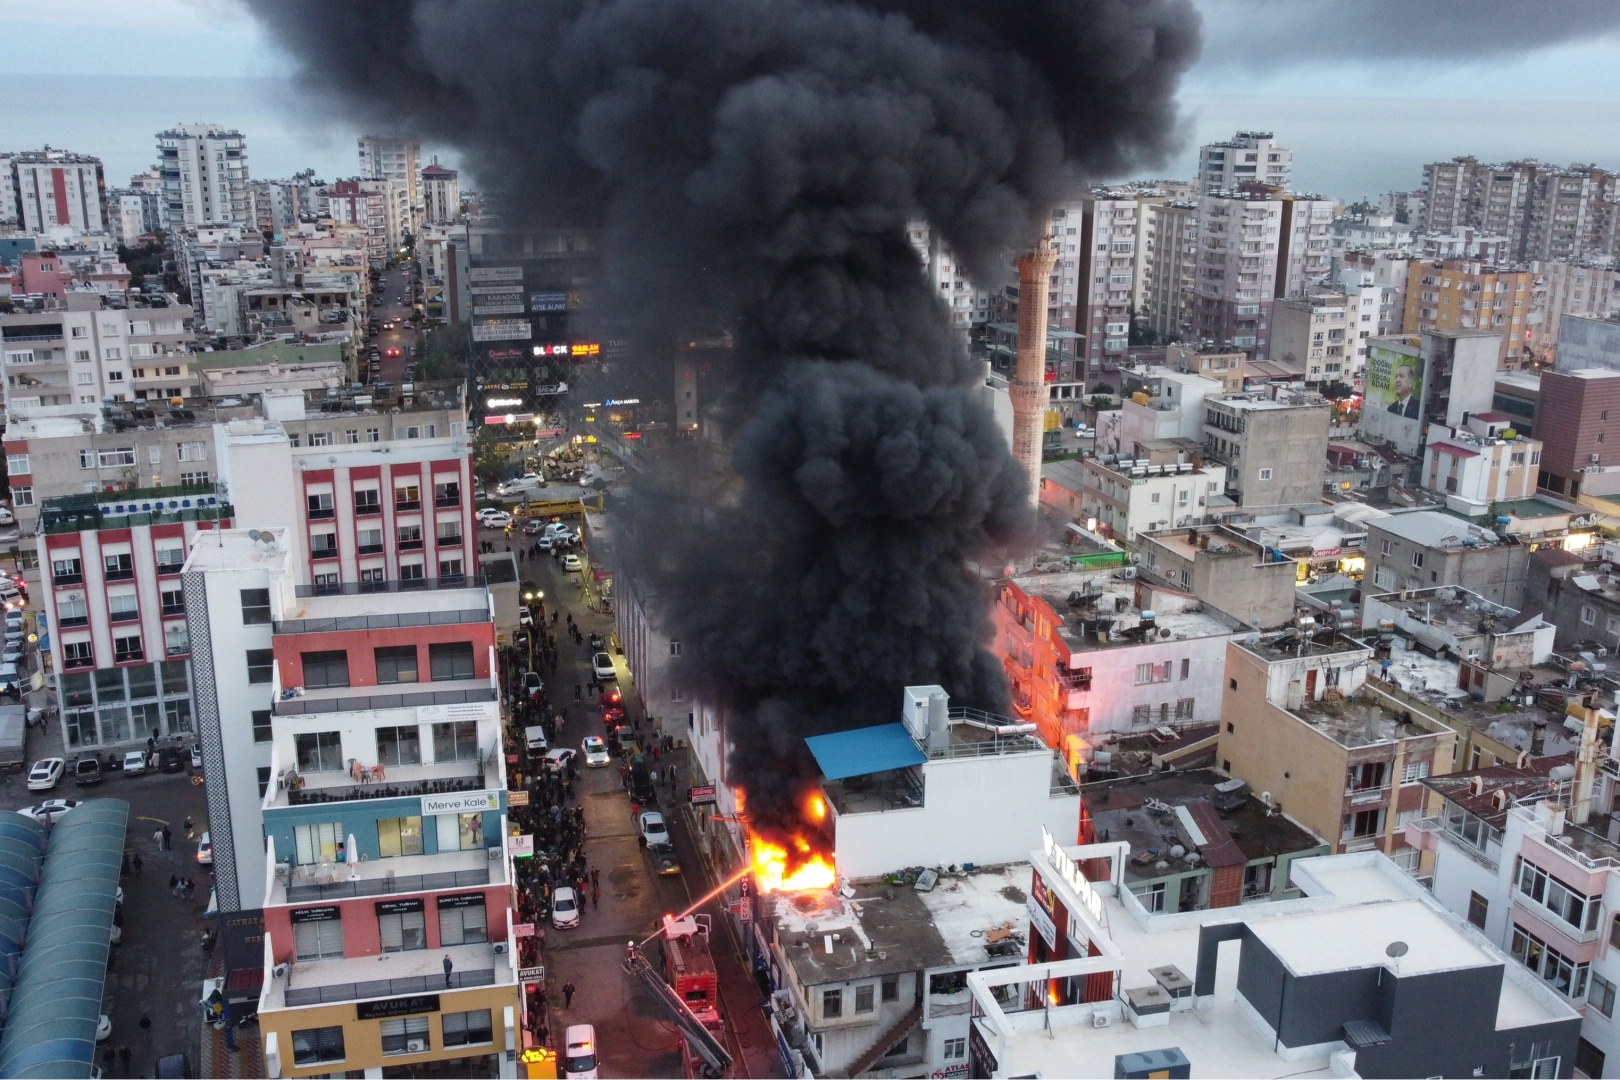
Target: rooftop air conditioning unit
(1101, 1019)
(499, 948)
(416, 1046)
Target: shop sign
(400, 1006)
(521, 847)
(703, 793)
(1042, 922)
(465, 802)
(484, 275)
(502, 330)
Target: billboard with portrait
(1393, 407)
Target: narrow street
(634, 1037)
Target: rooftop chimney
(1028, 389)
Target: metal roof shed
(50, 1028)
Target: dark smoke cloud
(755, 163)
(1282, 33)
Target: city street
(634, 1036)
(393, 285)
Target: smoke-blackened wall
(754, 163)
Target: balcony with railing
(327, 881)
(131, 507)
(362, 588)
(377, 780)
(417, 971)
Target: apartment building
(1385, 270)
(441, 194)
(1317, 333)
(1587, 343)
(1526, 852)
(1170, 267)
(1463, 294)
(1230, 574)
(367, 204)
(1165, 488)
(83, 350)
(1222, 365)
(1254, 249)
(1296, 724)
(204, 171)
(1092, 282)
(1483, 462)
(1583, 289)
(1249, 157)
(1170, 407)
(969, 305)
(1573, 418)
(1421, 549)
(398, 161)
(1436, 377)
(1580, 592)
(1273, 447)
(1092, 655)
(54, 189)
(373, 837)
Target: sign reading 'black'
(400, 1006)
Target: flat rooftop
(1210, 541)
(1455, 611)
(1435, 681)
(1358, 721)
(1368, 908)
(1125, 809)
(435, 603)
(882, 930)
(1291, 644)
(1102, 594)
(234, 549)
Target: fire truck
(688, 992)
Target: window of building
(314, 1046)
(22, 496)
(320, 438)
(467, 1028)
(1383, 577)
(955, 1049)
(1186, 667)
(66, 571)
(401, 925)
(674, 648)
(410, 571)
(407, 497)
(325, 669)
(1601, 995)
(261, 725)
(16, 464)
(351, 435)
(1184, 708)
(119, 567)
(677, 694)
(128, 649)
(1417, 559)
(255, 607)
(317, 933)
(1366, 823)
(192, 451)
(410, 537)
(406, 1034)
(396, 664)
(116, 458)
(449, 568)
(891, 988)
(319, 751)
(259, 664)
(1588, 615)
(1478, 906)
(1579, 911)
(1384, 547)
(447, 493)
(832, 1004)
(1414, 771)
(399, 745)
(170, 559)
(373, 434)
(456, 741)
(1556, 969)
(318, 843)
(461, 920)
(366, 501)
(1264, 474)
(450, 660)
(1152, 673)
(864, 998)
(399, 836)
(320, 504)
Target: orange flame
(816, 807)
(771, 873)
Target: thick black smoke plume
(756, 162)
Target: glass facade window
(457, 741)
(467, 1028)
(399, 745)
(325, 669)
(399, 836)
(396, 664)
(407, 1035)
(451, 660)
(313, 1046)
(318, 843)
(320, 751)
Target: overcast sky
(1364, 91)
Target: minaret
(1028, 390)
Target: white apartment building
(1249, 157)
(441, 194)
(1476, 464)
(370, 204)
(85, 351)
(969, 305)
(50, 188)
(398, 160)
(205, 176)
(1094, 278)
(1586, 289)
(1130, 495)
(1170, 267)
(1252, 249)
(1314, 333)
(128, 218)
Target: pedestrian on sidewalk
(168, 839)
(135, 861)
(568, 993)
(596, 878)
(449, 966)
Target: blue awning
(865, 750)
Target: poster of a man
(1404, 383)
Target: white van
(579, 1052)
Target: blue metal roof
(865, 750)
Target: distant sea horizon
(1347, 148)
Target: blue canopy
(865, 750)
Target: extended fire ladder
(699, 1039)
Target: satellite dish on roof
(253, 534)
(1396, 950)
